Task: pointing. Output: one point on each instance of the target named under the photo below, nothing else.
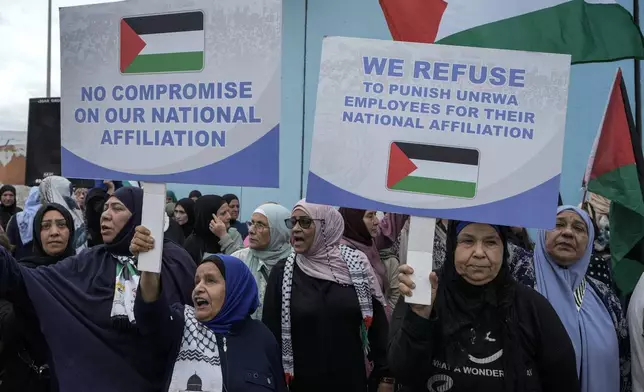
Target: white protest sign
(153, 218)
(439, 131)
(183, 91)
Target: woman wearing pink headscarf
(325, 308)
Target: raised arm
(11, 282)
(151, 309)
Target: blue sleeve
(159, 320)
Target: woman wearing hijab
(94, 202)
(170, 197)
(25, 347)
(20, 227)
(588, 308)
(8, 206)
(212, 233)
(85, 305)
(56, 189)
(233, 203)
(268, 244)
(184, 215)
(169, 209)
(79, 195)
(519, 236)
(324, 306)
(194, 195)
(213, 345)
(361, 232)
(483, 331)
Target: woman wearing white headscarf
(268, 244)
(56, 189)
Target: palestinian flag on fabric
(615, 171)
(162, 43)
(589, 30)
(432, 169)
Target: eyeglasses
(304, 221)
(259, 226)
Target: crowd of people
(309, 298)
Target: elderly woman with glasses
(325, 308)
(268, 244)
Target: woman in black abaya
(84, 305)
(25, 349)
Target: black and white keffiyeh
(360, 278)
(198, 366)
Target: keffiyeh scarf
(361, 283)
(127, 282)
(198, 366)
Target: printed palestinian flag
(589, 30)
(615, 172)
(162, 43)
(431, 169)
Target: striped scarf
(359, 277)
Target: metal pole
(49, 50)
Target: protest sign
(13, 153)
(439, 131)
(172, 91)
(43, 140)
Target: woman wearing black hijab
(484, 331)
(8, 206)
(233, 203)
(94, 202)
(25, 349)
(184, 215)
(84, 305)
(212, 233)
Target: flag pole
(49, 49)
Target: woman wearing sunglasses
(324, 306)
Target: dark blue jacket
(252, 359)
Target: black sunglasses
(304, 221)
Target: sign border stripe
(432, 152)
(166, 62)
(166, 23)
(434, 186)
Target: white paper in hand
(152, 217)
(420, 253)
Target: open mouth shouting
(298, 240)
(200, 303)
